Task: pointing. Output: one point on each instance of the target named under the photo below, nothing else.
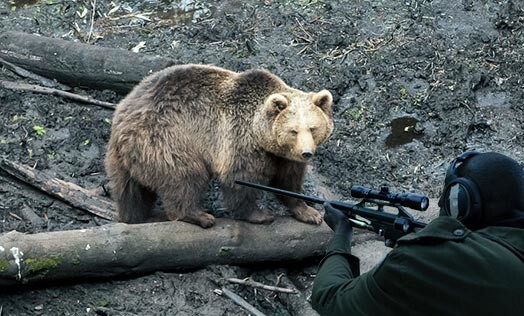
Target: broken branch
(45, 90)
(252, 283)
(240, 301)
(68, 192)
(27, 74)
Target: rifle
(388, 225)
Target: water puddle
(403, 131)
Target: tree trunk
(122, 249)
(79, 64)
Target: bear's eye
(312, 130)
(294, 133)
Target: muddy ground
(414, 82)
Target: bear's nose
(307, 154)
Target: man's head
(483, 189)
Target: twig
(15, 216)
(93, 5)
(249, 282)
(239, 301)
(31, 75)
(71, 193)
(45, 90)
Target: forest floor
(414, 83)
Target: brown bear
(187, 124)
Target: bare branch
(45, 90)
(252, 283)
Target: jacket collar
(442, 227)
(510, 235)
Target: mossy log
(122, 249)
(79, 64)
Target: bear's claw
(307, 214)
(204, 220)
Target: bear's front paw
(307, 214)
(261, 216)
(204, 220)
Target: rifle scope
(411, 200)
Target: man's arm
(339, 289)
(336, 271)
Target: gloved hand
(337, 221)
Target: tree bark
(122, 249)
(79, 64)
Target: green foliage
(354, 113)
(39, 130)
(17, 118)
(403, 93)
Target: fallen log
(79, 64)
(71, 193)
(123, 249)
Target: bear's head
(293, 123)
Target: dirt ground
(414, 84)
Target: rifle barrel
(311, 199)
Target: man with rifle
(468, 261)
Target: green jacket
(444, 269)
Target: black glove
(337, 221)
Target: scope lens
(424, 204)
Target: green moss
(40, 266)
(103, 303)
(225, 251)
(354, 114)
(3, 265)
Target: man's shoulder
(440, 229)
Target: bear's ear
(323, 100)
(276, 103)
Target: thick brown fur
(187, 124)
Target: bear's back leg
(134, 201)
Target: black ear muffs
(461, 197)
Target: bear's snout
(307, 154)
